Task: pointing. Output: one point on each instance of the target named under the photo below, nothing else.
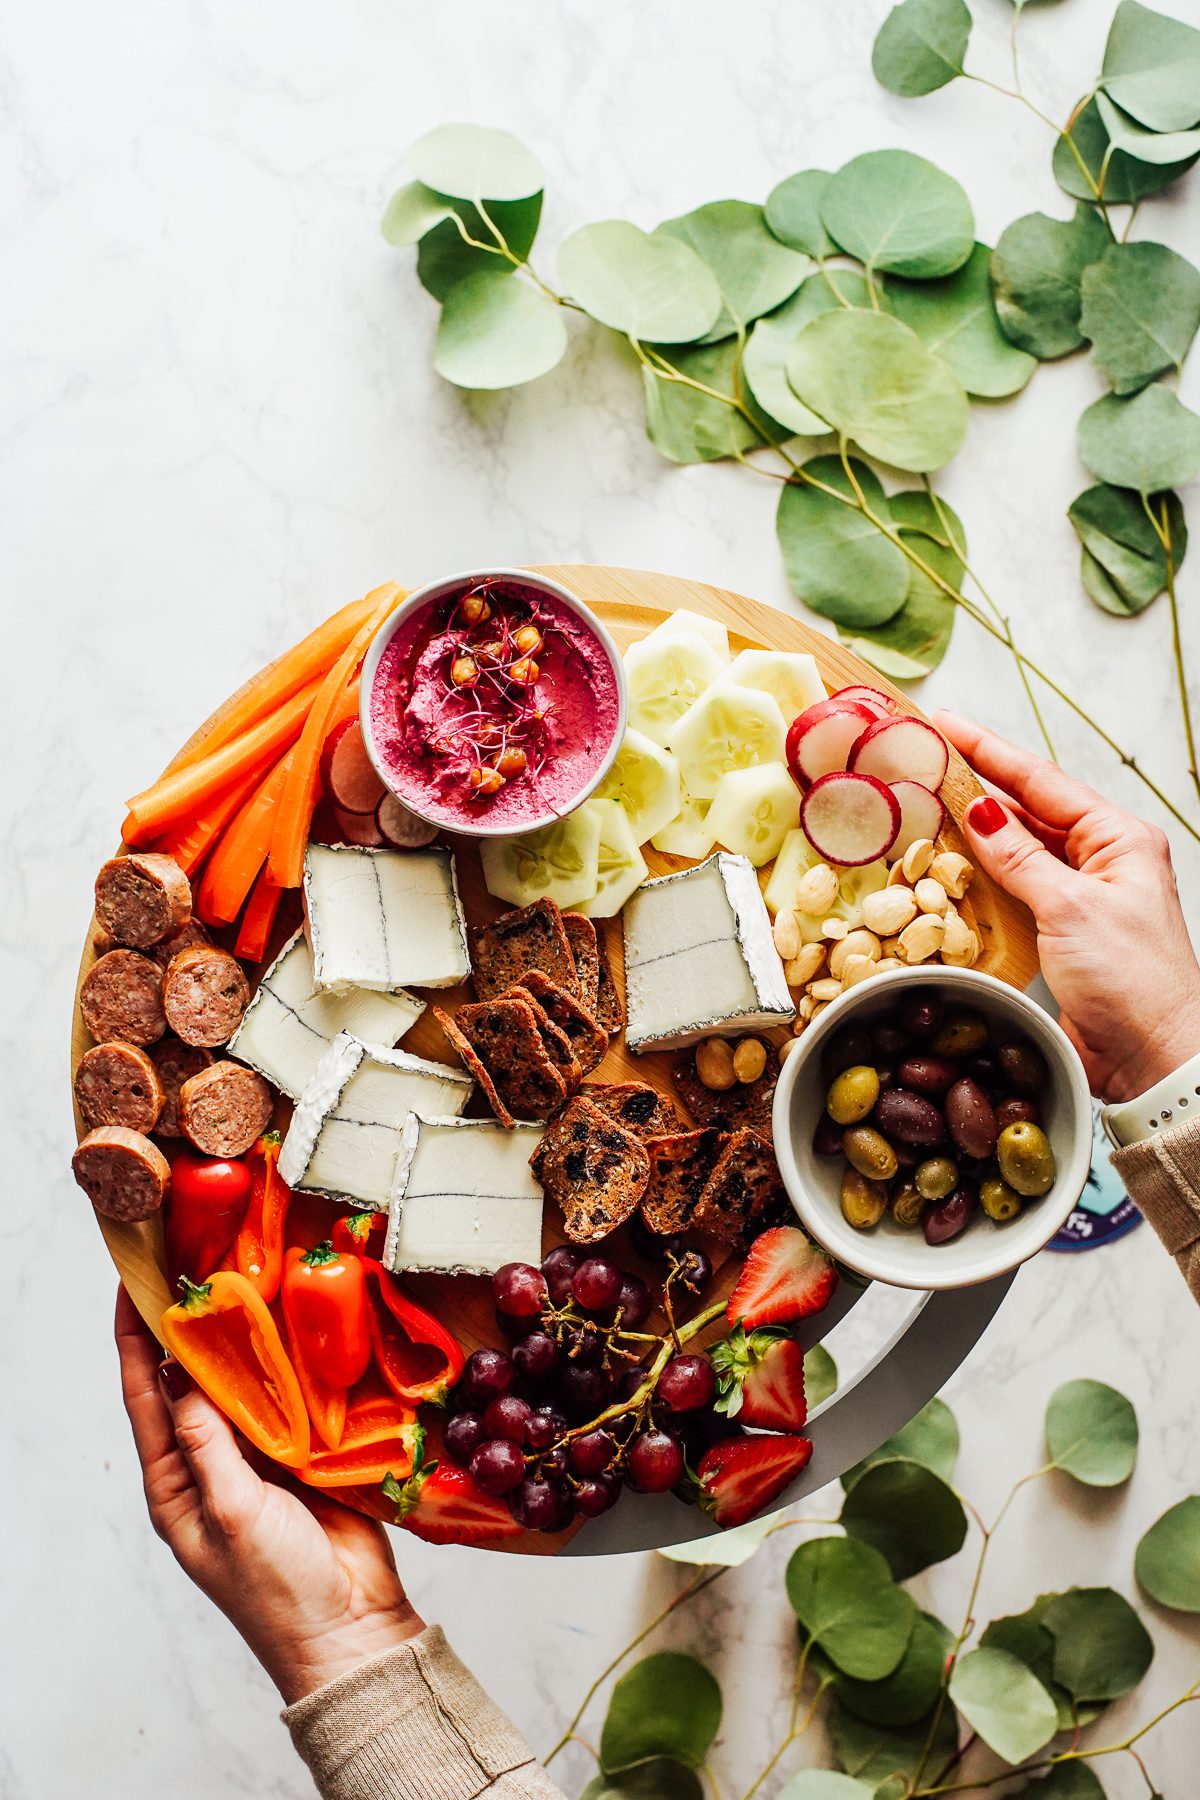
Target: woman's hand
(310, 1585)
(1112, 940)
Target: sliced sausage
(122, 1173)
(121, 997)
(224, 1109)
(176, 1063)
(142, 898)
(183, 939)
(205, 993)
(117, 1084)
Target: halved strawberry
(444, 1505)
(760, 1379)
(785, 1277)
(741, 1476)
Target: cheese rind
(345, 1133)
(382, 919)
(699, 957)
(464, 1200)
(288, 1026)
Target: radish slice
(874, 699)
(850, 819)
(358, 828)
(403, 829)
(922, 815)
(820, 739)
(902, 750)
(350, 780)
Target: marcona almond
(953, 871)
(855, 943)
(930, 895)
(890, 947)
(960, 946)
(834, 929)
(786, 1048)
(822, 1006)
(816, 890)
(920, 939)
(886, 964)
(750, 1059)
(857, 968)
(805, 965)
(896, 876)
(786, 934)
(714, 1064)
(805, 1009)
(917, 858)
(824, 990)
(889, 911)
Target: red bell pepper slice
(415, 1354)
(258, 1248)
(352, 1232)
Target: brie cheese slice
(345, 1131)
(288, 1027)
(699, 957)
(383, 918)
(464, 1200)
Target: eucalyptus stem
(796, 1726)
(1162, 531)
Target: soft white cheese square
(288, 1026)
(383, 919)
(464, 1199)
(699, 958)
(345, 1133)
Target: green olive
(1026, 1159)
(868, 1151)
(936, 1177)
(852, 1094)
(863, 1201)
(907, 1204)
(998, 1200)
(962, 1035)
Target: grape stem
(640, 1399)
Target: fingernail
(175, 1379)
(986, 816)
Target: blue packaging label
(1104, 1212)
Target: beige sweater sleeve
(413, 1724)
(1162, 1177)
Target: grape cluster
(558, 1422)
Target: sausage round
(122, 1173)
(205, 993)
(142, 898)
(183, 939)
(117, 1084)
(224, 1109)
(176, 1063)
(121, 997)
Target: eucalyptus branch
(1162, 531)
(797, 1726)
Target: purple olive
(969, 1116)
(927, 1074)
(1018, 1111)
(827, 1138)
(949, 1217)
(909, 1118)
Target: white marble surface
(219, 421)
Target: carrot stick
(255, 931)
(185, 791)
(233, 867)
(191, 844)
(286, 861)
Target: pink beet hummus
(471, 725)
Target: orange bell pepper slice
(379, 1437)
(223, 1334)
(258, 1248)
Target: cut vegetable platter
(935, 1333)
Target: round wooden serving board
(631, 602)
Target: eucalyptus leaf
(726, 1549)
(875, 382)
(444, 258)
(1092, 1433)
(1149, 442)
(837, 561)
(914, 641)
(475, 162)
(921, 45)
(1101, 1647)
(764, 363)
(908, 1513)
(931, 1436)
(907, 1694)
(956, 319)
(1152, 67)
(412, 211)
(1101, 589)
(874, 1753)
(820, 1378)
(1167, 1563)
(1067, 1781)
(690, 427)
(1004, 1702)
(497, 333)
(754, 271)
(1025, 1636)
(1120, 179)
(649, 287)
(1037, 268)
(667, 1705)
(824, 1784)
(793, 213)
(1132, 139)
(1129, 564)
(844, 1596)
(1141, 310)
(661, 1779)
(897, 212)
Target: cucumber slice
(711, 630)
(688, 833)
(754, 810)
(728, 728)
(795, 857)
(560, 862)
(790, 677)
(645, 779)
(622, 866)
(665, 675)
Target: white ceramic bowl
(888, 1252)
(428, 596)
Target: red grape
(634, 1303)
(498, 1466)
(539, 1505)
(519, 1290)
(695, 1268)
(597, 1283)
(583, 1345)
(464, 1434)
(559, 1269)
(595, 1495)
(591, 1453)
(507, 1417)
(655, 1462)
(686, 1383)
(486, 1374)
(535, 1357)
(553, 1466)
(545, 1424)
(583, 1392)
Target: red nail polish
(986, 816)
(175, 1378)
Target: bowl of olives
(933, 1127)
